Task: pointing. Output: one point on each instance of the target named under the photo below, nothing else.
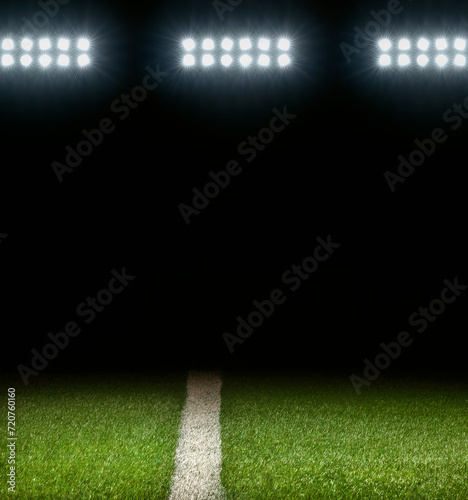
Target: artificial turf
(303, 436)
(97, 437)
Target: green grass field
(97, 437)
(283, 437)
(308, 437)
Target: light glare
(227, 44)
(208, 44)
(63, 60)
(441, 44)
(45, 61)
(7, 60)
(188, 60)
(26, 44)
(404, 44)
(460, 60)
(460, 44)
(385, 44)
(441, 61)
(284, 60)
(8, 44)
(226, 60)
(423, 44)
(245, 60)
(207, 60)
(403, 60)
(26, 60)
(264, 60)
(63, 44)
(84, 60)
(44, 44)
(264, 44)
(385, 60)
(422, 60)
(84, 44)
(245, 44)
(284, 44)
(188, 44)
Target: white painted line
(197, 474)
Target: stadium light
(439, 52)
(231, 52)
(44, 52)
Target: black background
(322, 176)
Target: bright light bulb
(84, 44)
(7, 60)
(245, 61)
(460, 44)
(441, 44)
(208, 44)
(403, 60)
(441, 61)
(385, 60)
(460, 60)
(26, 60)
(63, 44)
(207, 60)
(264, 44)
(227, 44)
(83, 60)
(245, 44)
(284, 60)
(188, 60)
(26, 44)
(423, 44)
(226, 60)
(404, 44)
(264, 60)
(45, 61)
(422, 60)
(44, 44)
(284, 44)
(385, 44)
(63, 60)
(8, 44)
(188, 44)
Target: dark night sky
(323, 175)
